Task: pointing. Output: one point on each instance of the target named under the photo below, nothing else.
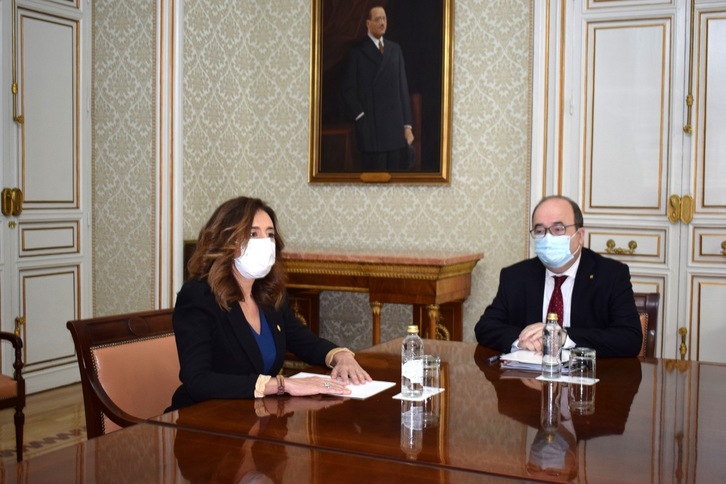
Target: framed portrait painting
(380, 90)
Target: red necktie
(556, 304)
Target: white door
(46, 253)
(611, 135)
(704, 279)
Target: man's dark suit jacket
(376, 84)
(218, 354)
(602, 314)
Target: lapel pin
(278, 326)
(592, 276)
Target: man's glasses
(540, 231)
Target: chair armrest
(110, 409)
(18, 363)
(14, 340)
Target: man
(375, 90)
(596, 302)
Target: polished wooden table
(654, 421)
(148, 454)
(435, 283)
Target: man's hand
(408, 134)
(531, 337)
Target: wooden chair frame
(93, 333)
(17, 401)
(647, 304)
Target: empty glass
(432, 372)
(432, 382)
(582, 381)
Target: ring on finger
(326, 384)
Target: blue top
(266, 343)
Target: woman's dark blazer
(218, 354)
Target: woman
(232, 322)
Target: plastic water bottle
(551, 346)
(412, 352)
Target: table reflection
(242, 463)
(412, 425)
(519, 393)
(553, 452)
(248, 461)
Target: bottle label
(413, 370)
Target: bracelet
(280, 385)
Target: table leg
(433, 310)
(376, 310)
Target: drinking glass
(582, 381)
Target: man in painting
(375, 90)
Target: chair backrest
(647, 305)
(129, 367)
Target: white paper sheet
(367, 389)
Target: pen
(493, 359)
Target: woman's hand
(315, 385)
(346, 369)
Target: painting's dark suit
(218, 354)
(376, 84)
(602, 314)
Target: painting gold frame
(333, 157)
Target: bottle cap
(552, 317)
(412, 328)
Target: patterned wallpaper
(123, 155)
(246, 100)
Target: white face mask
(554, 250)
(257, 258)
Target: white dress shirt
(566, 289)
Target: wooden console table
(435, 283)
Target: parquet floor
(53, 419)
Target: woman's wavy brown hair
(219, 242)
